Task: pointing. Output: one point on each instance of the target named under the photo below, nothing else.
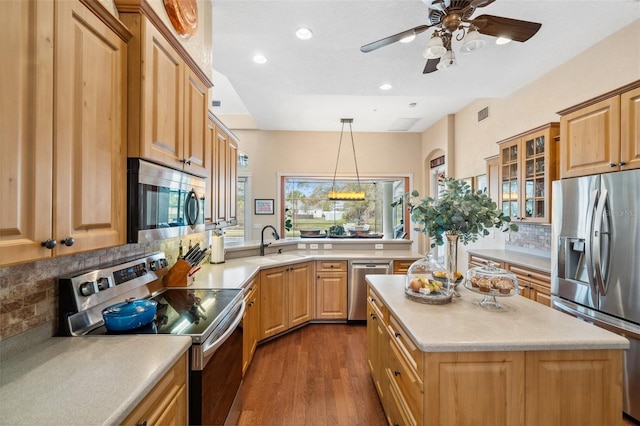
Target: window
(309, 207)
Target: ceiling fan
(449, 16)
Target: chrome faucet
(262, 244)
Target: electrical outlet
(313, 246)
(379, 246)
(327, 246)
(507, 236)
(302, 246)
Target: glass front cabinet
(527, 168)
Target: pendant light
(346, 195)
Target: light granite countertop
(91, 380)
(464, 326)
(236, 273)
(539, 263)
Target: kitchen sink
(273, 258)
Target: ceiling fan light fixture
(472, 41)
(435, 48)
(447, 61)
(502, 40)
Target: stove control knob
(103, 283)
(153, 265)
(89, 288)
(163, 263)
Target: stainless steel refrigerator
(596, 261)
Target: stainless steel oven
(162, 202)
(211, 317)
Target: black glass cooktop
(185, 312)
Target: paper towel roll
(217, 249)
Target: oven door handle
(209, 349)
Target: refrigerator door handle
(627, 330)
(588, 242)
(597, 236)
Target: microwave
(162, 202)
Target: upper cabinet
(527, 165)
(168, 100)
(63, 121)
(222, 186)
(601, 135)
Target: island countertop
(464, 326)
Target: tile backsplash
(29, 292)
(529, 236)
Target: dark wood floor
(316, 375)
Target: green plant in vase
(459, 214)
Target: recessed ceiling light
(304, 33)
(502, 40)
(386, 86)
(259, 59)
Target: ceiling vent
(216, 103)
(483, 113)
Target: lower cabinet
(489, 388)
(286, 297)
(166, 403)
(331, 290)
(534, 285)
(250, 323)
(401, 267)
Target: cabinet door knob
(68, 241)
(185, 161)
(50, 244)
(622, 163)
(396, 373)
(612, 164)
(397, 334)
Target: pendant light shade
(346, 195)
(472, 41)
(435, 48)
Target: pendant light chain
(346, 196)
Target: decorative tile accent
(29, 292)
(530, 236)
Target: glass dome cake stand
(491, 282)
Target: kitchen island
(462, 364)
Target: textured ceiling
(310, 85)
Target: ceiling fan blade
(392, 39)
(480, 3)
(431, 66)
(498, 26)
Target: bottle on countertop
(190, 245)
(180, 250)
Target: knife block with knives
(181, 273)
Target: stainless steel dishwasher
(357, 299)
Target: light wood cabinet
(601, 135)
(489, 387)
(331, 290)
(286, 297)
(527, 168)
(534, 285)
(168, 101)
(251, 322)
(224, 174)
(400, 267)
(63, 146)
(377, 343)
(475, 261)
(166, 403)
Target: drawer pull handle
(396, 373)
(373, 317)
(397, 334)
(142, 423)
